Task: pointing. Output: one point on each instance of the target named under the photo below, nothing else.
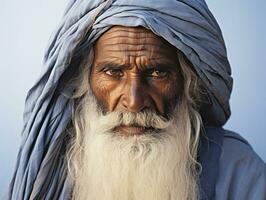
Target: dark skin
(134, 70)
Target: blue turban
(40, 171)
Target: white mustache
(146, 119)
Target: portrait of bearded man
(131, 105)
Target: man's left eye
(158, 73)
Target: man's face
(140, 146)
(135, 70)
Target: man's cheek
(108, 96)
(100, 90)
(170, 99)
(169, 92)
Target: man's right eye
(114, 72)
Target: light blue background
(25, 27)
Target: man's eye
(158, 74)
(114, 72)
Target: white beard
(152, 166)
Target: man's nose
(135, 96)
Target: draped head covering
(40, 171)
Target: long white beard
(152, 166)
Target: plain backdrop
(26, 26)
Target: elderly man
(131, 106)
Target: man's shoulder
(238, 154)
(242, 173)
(236, 148)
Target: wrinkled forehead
(137, 34)
(134, 42)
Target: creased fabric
(186, 24)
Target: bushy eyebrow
(109, 64)
(161, 67)
(114, 65)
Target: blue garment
(237, 173)
(186, 24)
(242, 173)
